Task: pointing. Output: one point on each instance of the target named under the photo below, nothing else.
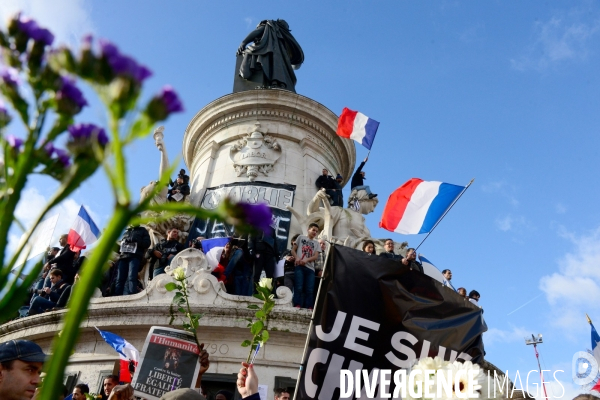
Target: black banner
(276, 196)
(375, 313)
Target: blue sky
(503, 92)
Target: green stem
(25, 165)
(189, 310)
(78, 304)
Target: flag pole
(445, 212)
(588, 319)
(312, 318)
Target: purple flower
(14, 142)
(84, 132)
(49, 149)
(63, 157)
(169, 98)
(258, 215)
(30, 28)
(122, 64)
(69, 91)
(4, 115)
(10, 77)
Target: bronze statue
(275, 53)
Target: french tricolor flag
(418, 205)
(127, 353)
(83, 232)
(213, 248)
(357, 126)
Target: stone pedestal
(303, 129)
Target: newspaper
(169, 361)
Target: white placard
(262, 391)
(279, 269)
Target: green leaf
(258, 296)
(141, 127)
(181, 310)
(260, 314)
(246, 343)
(178, 296)
(253, 307)
(256, 327)
(170, 286)
(265, 336)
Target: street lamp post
(535, 341)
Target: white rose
(266, 283)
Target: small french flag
(213, 248)
(83, 232)
(417, 206)
(357, 126)
(127, 353)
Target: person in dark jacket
(40, 303)
(134, 244)
(358, 178)
(326, 181)
(338, 196)
(411, 260)
(388, 247)
(264, 254)
(64, 260)
(164, 252)
(181, 187)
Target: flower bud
(163, 104)
(266, 283)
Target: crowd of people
(21, 363)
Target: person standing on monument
(358, 178)
(411, 260)
(338, 196)
(305, 251)
(180, 189)
(326, 181)
(263, 250)
(388, 252)
(134, 244)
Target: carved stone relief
(254, 154)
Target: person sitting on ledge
(462, 291)
(164, 252)
(411, 260)
(389, 250)
(358, 178)
(180, 188)
(41, 304)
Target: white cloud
(248, 21)
(69, 20)
(575, 288)
(32, 203)
(560, 39)
(504, 189)
(560, 208)
(515, 224)
(495, 335)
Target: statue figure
(159, 227)
(274, 51)
(361, 202)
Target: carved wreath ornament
(256, 153)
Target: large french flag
(213, 248)
(127, 353)
(83, 232)
(357, 126)
(417, 206)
